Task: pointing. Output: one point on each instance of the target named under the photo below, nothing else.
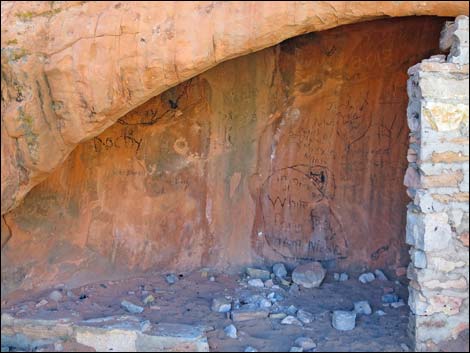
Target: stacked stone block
(438, 183)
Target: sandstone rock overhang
(72, 69)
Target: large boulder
(309, 275)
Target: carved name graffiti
(297, 220)
(125, 140)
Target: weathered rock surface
(120, 64)
(199, 181)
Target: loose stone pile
(267, 304)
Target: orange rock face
(296, 152)
(71, 69)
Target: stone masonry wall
(438, 182)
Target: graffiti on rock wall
(298, 222)
(354, 122)
(126, 139)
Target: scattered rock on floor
(309, 275)
(269, 283)
(264, 303)
(341, 277)
(305, 316)
(366, 277)
(231, 331)
(42, 303)
(390, 298)
(250, 349)
(55, 296)
(279, 270)
(277, 316)
(221, 305)
(294, 289)
(344, 320)
(275, 297)
(305, 343)
(291, 320)
(296, 349)
(256, 282)
(132, 308)
(171, 278)
(257, 273)
(248, 314)
(380, 312)
(362, 307)
(149, 299)
(291, 310)
(380, 275)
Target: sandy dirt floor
(189, 300)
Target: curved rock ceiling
(71, 69)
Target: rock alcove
(296, 152)
(293, 154)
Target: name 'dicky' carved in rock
(297, 219)
(125, 140)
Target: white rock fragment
(256, 282)
(305, 316)
(290, 320)
(362, 307)
(132, 308)
(344, 320)
(305, 343)
(221, 305)
(55, 296)
(366, 277)
(231, 331)
(42, 303)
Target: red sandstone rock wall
(70, 69)
(294, 152)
